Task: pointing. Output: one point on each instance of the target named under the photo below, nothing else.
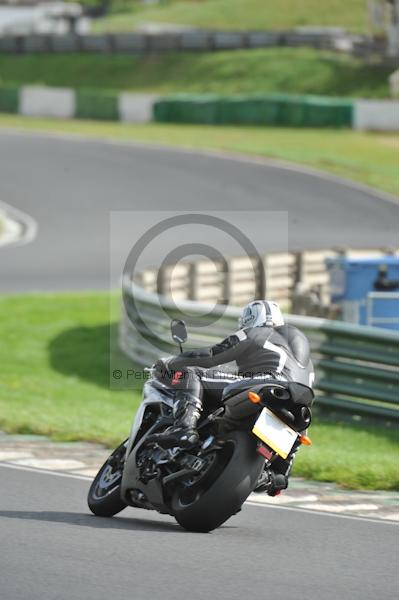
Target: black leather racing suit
(282, 352)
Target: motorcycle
(203, 486)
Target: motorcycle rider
(264, 347)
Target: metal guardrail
(356, 367)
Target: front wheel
(104, 497)
(207, 504)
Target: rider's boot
(274, 479)
(270, 482)
(186, 412)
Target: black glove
(162, 368)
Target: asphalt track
(52, 548)
(70, 186)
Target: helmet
(259, 313)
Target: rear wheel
(104, 498)
(204, 504)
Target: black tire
(235, 480)
(104, 497)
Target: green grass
(355, 456)
(369, 158)
(275, 70)
(54, 380)
(55, 369)
(238, 14)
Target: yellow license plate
(275, 433)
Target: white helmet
(260, 313)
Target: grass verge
(55, 368)
(369, 158)
(355, 456)
(274, 70)
(236, 14)
(55, 381)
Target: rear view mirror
(179, 331)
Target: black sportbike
(202, 487)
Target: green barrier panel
(308, 111)
(9, 99)
(230, 111)
(328, 112)
(270, 110)
(97, 105)
(217, 110)
(290, 111)
(204, 110)
(250, 111)
(188, 109)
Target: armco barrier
(356, 367)
(294, 111)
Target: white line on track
(324, 513)
(248, 502)
(29, 224)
